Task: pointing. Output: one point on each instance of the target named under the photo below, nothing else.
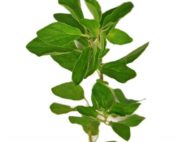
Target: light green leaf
(91, 25)
(87, 111)
(117, 36)
(94, 8)
(40, 48)
(118, 71)
(102, 96)
(68, 19)
(67, 60)
(122, 130)
(89, 125)
(81, 66)
(132, 121)
(74, 7)
(69, 91)
(58, 34)
(121, 97)
(123, 109)
(94, 61)
(60, 108)
(134, 54)
(114, 15)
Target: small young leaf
(121, 97)
(40, 48)
(118, 71)
(114, 15)
(117, 36)
(102, 97)
(81, 66)
(58, 34)
(60, 108)
(123, 109)
(91, 25)
(74, 7)
(69, 91)
(132, 121)
(134, 54)
(68, 19)
(87, 111)
(94, 8)
(67, 60)
(122, 130)
(89, 125)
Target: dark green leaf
(89, 125)
(67, 60)
(132, 121)
(69, 91)
(122, 130)
(121, 97)
(91, 25)
(74, 7)
(94, 61)
(102, 96)
(68, 19)
(59, 34)
(123, 109)
(118, 71)
(134, 54)
(87, 111)
(40, 48)
(81, 66)
(117, 36)
(114, 15)
(60, 108)
(82, 42)
(94, 8)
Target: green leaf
(81, 66)
(82, 42)
(87, 111)
(68, 19)
(60, 108)
(69, 91)
(134, 54)
(102, 97)
(117, 36)
(89, 125)
(67, 60)
(121, 97)
(91, 25)
(123, 109)
(122, 130)
(40, 48)
(94, 61)
(114, 15)
(58, 34)
(74, 7)
(132, 121)
(94, 8)
(118, 71)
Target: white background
(25, 79)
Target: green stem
(90, 138)
(87, 102)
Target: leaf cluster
(79, 45)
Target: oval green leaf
(117, 36)
(87, 111)
(60, 108)
(69, 91)
(122, 130)
(59, 34)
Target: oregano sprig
(79, 45)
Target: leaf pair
(119, 69)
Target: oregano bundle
(79, 45)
